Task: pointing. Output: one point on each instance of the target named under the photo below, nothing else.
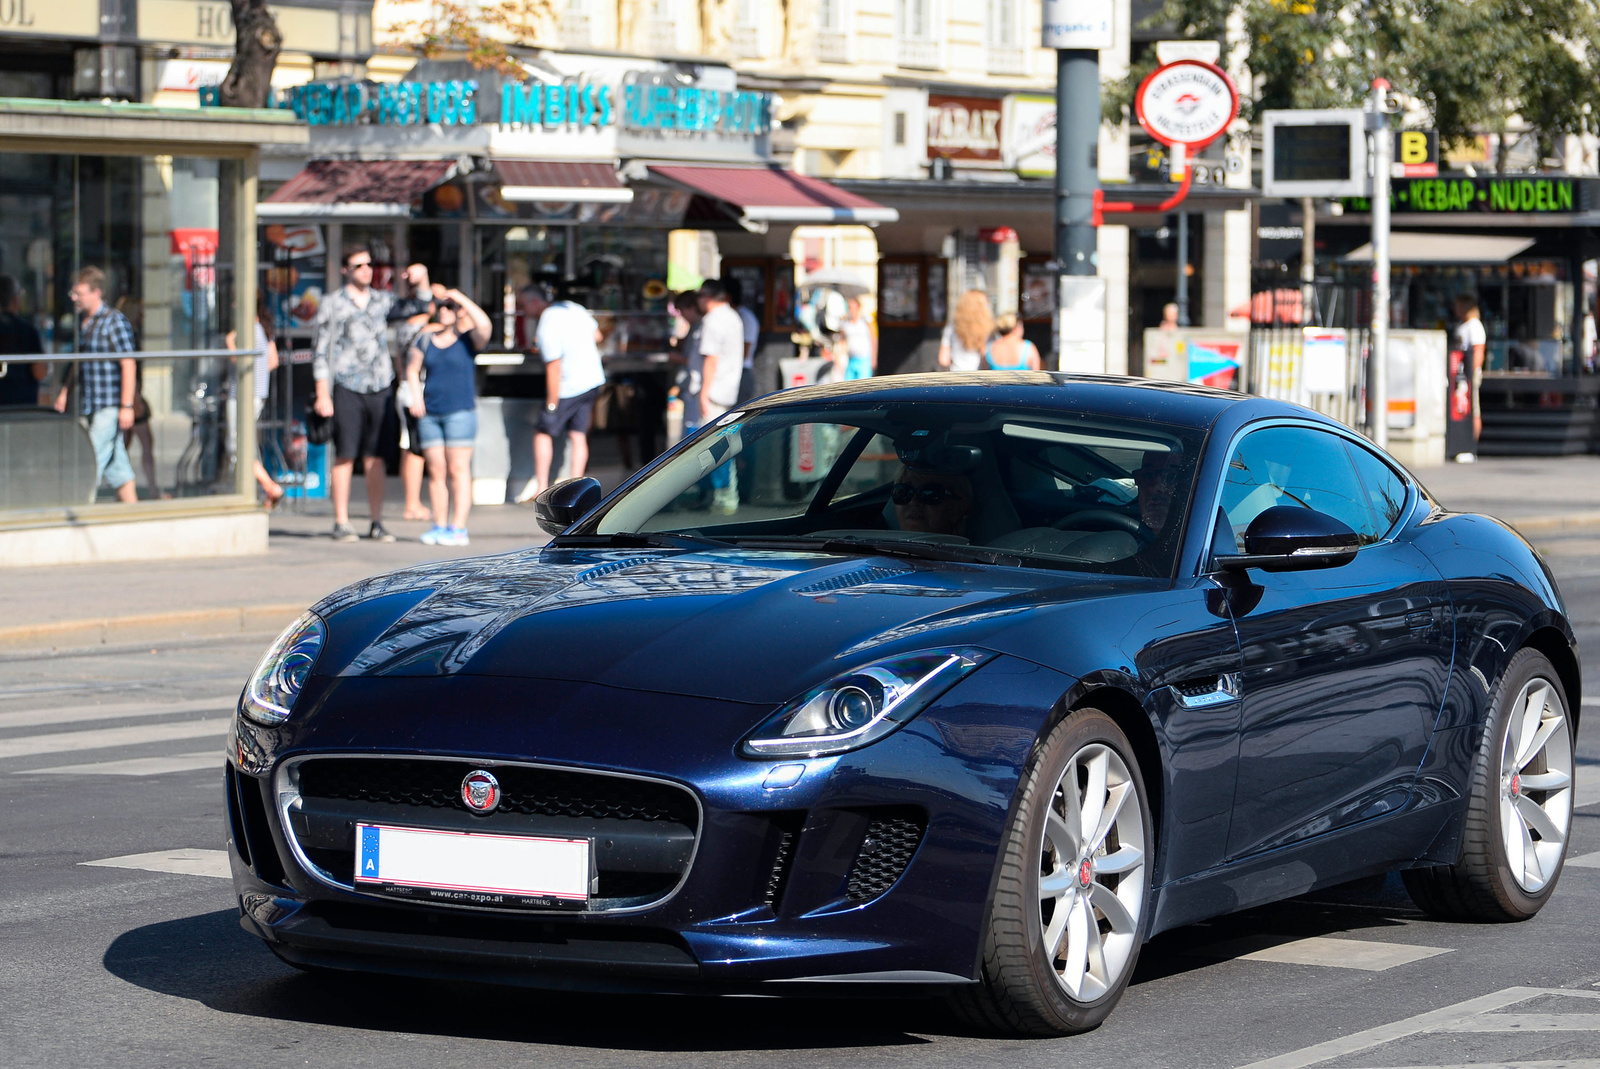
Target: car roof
(1177, 403)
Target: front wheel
(1520, 811)
(1069, 911)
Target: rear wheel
(1069, 915)
(1520, 811)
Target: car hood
(738, 625)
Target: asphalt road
(115, 755)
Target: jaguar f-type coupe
(961, 685)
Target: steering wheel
(1105, 519)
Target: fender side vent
(787, 837)
(859, 577)
(892, 837)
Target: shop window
(917, 36)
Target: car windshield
(946, 481)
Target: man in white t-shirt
(722, 366)
(752, 335)
(568, 338)
(1473, 341)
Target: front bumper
(875, 867)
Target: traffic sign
(1186, 105)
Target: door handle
(1419, 619)
(1208, 691)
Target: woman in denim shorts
(447, 409)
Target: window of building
(899, 128)
(1004, 37)
(747, 42)
(917, 34)
(577, 23)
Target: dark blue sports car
(963, 685)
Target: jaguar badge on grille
(480, 791)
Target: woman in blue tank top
(1010, 351)
(446, 408)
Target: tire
(1028, 987)
(1520, 803)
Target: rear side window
(1386, 490)
(1295, 466)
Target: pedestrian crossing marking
(77, 714)
(184, 862)
(105, 738)
(1585, 861)
(1328, 952)
(1449, 1019)
(135, 766)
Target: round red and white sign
(1186, 103)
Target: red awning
(549, 181)
(355, 187)
(773, 195)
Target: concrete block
(228, 534)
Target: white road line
(104, 738)
(1587, 791)
(77, 714)
(1526, 1022)
(1432, 1021)
(1329, 952)
(1585, 861)
(134, 766)
(1564, 1063)
(185, 862)
(1591, 701)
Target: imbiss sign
(964, 128)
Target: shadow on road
(207, 958)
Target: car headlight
(863, 706)
(276, 682)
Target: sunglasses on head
(931, 494)
(352, 265)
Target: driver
(933, 501)
(1158, 478)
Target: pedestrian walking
(1473, 341)
(265, 364)
(752, 336)
(446, 407)
(354, 374)
(1010, 351)
(415, 308)
(860, 343)
(568, 338)
(967, 334)
(722, 366)
(105, 387)
(687, 388)
(19, 380)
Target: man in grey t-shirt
(722, 356)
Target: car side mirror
(565, 503)
(1289, 538)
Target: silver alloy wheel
(1091, 865)
(1536, 784)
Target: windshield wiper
(640, 539)
(894, 547)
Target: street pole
(1378, 365)
(1077, 177)
(1181, 296)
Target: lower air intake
(892, 837)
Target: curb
(1572, 521)
(111, 630)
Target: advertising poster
(900, 292)
(1030, 135)
(1325, 361)
(964, 128)
(295, 272)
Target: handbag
(319, 428)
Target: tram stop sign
(1186, 105)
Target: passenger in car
(936, 502)
(1158, 477)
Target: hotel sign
(207, 22)
(66, 18)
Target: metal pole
(1308, 260)
(1378, 366)
(1182, 294)
(1077, 173)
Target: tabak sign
(964, 128)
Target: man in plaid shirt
(105, 387)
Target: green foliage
(1473, 64)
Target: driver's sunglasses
(1167, 477)
(932, 495)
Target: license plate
(474, 868)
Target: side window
(1294, 466)
(1386, 490)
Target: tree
(1473, 65)
(484, 31)
(256, 45)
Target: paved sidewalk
(73, 606)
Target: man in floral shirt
(354, 373)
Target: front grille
(644, 831)
(533, 791)
(892, 837)
(785, 836)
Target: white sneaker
(436, 537)
(527, 493)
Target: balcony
(1013, 61)
(747, 41)
(661, 37)
(577, 29)
(917, 53)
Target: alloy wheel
(1091, 881)
(1536, 784)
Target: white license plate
(473, 868)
